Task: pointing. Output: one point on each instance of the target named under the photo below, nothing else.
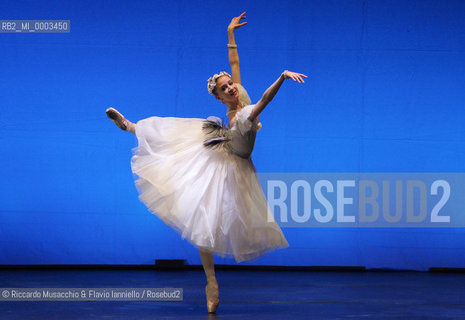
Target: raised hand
(294, 76)
(236, 22)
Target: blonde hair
(244, 98)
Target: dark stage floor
(249, 295)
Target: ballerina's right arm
(232, 48)
(272, 90)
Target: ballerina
(197, 175)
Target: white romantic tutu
(210, 195)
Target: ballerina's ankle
(131, 127)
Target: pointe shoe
(118, 118)
(211, 290)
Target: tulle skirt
(210, 196)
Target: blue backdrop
(385, 94)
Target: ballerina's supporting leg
(120, 120)
(211, 290)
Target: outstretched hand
(236, 22)
(294, 76)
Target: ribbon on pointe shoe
(212, 294)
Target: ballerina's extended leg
(211, 290)
(120, 120)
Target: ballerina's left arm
(232, 47)
(272, 90)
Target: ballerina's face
(226, 90)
